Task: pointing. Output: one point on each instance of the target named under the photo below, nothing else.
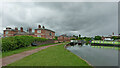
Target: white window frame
(38, 31)
(38, 35)
(6, 32)
(50, 34)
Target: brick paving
(10, 59)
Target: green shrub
(73, 39)
(39, 39)
(16, 42)
(56, 38)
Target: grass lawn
(4, 54)
(116, 48)
(52, 56)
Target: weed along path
(10, 59)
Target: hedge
(0, 45)
(16, 42)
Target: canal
(96, 56)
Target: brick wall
(45, 42)
(10, 33)
(62, 38)
(45, 34)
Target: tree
(115, 37)
(79, 36)
(75, 36)
(56, 38)
(84, 37)
(98, 38)
(72, 39)
(88, 39)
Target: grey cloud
(86, 18)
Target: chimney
(16, 29)
(30, 30)
(39, 26)
(21, 29)
(113, 33)
(43, 27)
(8, 28)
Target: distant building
(64, 37)
(39, 32)
(109, 38)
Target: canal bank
(96, 56)
(55, 56)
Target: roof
(21, 33)
(64, 35)
(44, 29)
(11, 30)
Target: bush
(16, 42)
(98, 38)
(56, 38)
(73, 39)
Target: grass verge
(4, 54)
(52, 56)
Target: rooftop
(44, 29)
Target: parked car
(34, 44)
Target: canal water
(96, 56)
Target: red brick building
(44, 33)
(64, 37)
(39, 32)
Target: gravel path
(15, 57)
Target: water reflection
(77, 47)
(107, 57)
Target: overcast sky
(71, 18)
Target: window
(38, 35)
(6, 32)
(50, 34)
(38, 31)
